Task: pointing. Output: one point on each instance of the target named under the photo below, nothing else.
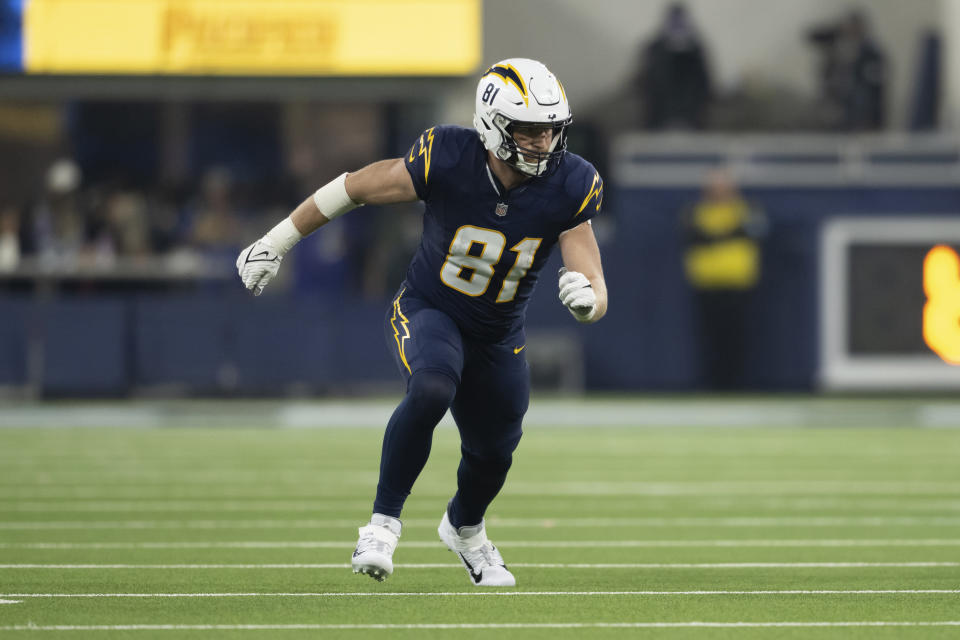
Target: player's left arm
(582, 287)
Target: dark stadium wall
(220, 341)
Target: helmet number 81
(490, 93)
(462, 257)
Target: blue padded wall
(223, 341)
(86, 347)
(15, 331)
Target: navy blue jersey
(483, 247)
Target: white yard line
(602, 565)
(534, 544)
(254, 485)
(77, 504)
(758, 487)
(544, 523)
(488, 625)
(83, 505)
(406, 594)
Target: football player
(498, 198)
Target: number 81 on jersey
(482, 265)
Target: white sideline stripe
(10, 601)
(85, 505)
(536, 544)
(213, 475)
(481, 625)
(426, 594)
(528, 565)
(546, 523)
(206, 504)
(574, 491)
(758, 487)
(375, 412)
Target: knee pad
(431, 389)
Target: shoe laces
(486, 555)
(378, 539)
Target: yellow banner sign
(253, 37)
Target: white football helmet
(519, 92)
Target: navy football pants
(486, 386)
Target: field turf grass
(611, 532)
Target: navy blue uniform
(456, 325)
(482, 248)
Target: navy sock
(409, 434)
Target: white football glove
(258, 264)
(576, 294)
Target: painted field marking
(159, 475)
(757, 487)
(84, 505)
(407, 594)
(544, 523)
(535, 544)
(487, 625)
(282, 504)
(10, 601)
(602, 565)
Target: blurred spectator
(126, 217)
(9, 238)
(853, 74)
(675, 78)
(216, 228)
(165, 205)
(59, 225)
(722, 235)
(99, 246)
(925, 101)
(395, 236)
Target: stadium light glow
(941, 313)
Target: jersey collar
(493, 180)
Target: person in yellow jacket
(722, 257)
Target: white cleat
(374, 553)
(481, 559)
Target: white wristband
(284, 236)
(332, 199)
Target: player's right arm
(383, 182)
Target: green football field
(821, 531)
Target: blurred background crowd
(142, 182)
(183, 186)
(89, 179)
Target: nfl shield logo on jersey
(501, 209)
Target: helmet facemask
(529, 161)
